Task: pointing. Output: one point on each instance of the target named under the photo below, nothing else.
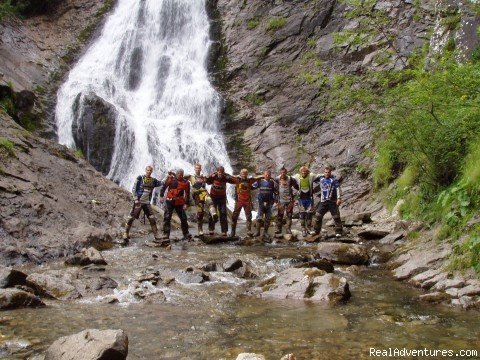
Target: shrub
(252, 24)
(276, 23)
(7, 146)
(255, 99)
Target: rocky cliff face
(37, 51)
(52, 202)
(276, 55)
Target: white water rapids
(149, 63)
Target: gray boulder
(356, 219)
(54, 285)
(16, 298)
(89, 236)
(86, 257)
(90, 344)
(308, 284)
(340, 253)
(329, 288)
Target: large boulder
(93, 130)
(10, 277)
(86, 257)
(340, 253)
(89, 236)
(232, 265)
(422, 259)
(54, 285)
(329, 288)
(16, 298)
(308, 284)
(91, 344)
(70, 284)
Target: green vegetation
(29, 122)
(242, 152)
(79, 154)
(312, 42)
(7, 146)
(451, 22)
(467, 254)
(6, 8)
(313, 78)
(428, 128)
(428, 155)
(6, 105)
(276, 23)
(25, 7)
(252, 24)
(255, 99)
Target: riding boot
(278, 230)
(249, 228)
(303, 223)
(309, 221)
(258, 226)
(266, 225)
(153, 224)
(128, 226)
(318, 224)
(338, 226)
(288, 226)
(234, 228)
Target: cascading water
(149, 65)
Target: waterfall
(149, 65)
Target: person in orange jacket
(243, 199)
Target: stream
(216, 319)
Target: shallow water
(215, 320)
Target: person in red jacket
(218, 194)
(176, 199)
(243, 199)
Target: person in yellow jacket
(201, 198)
(305, 180)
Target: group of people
(177, 190)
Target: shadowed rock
(86, 257)
(340, 253)
(16, 298)
(93, 130)
(232, 265)
(10, 277)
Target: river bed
(217, 320)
